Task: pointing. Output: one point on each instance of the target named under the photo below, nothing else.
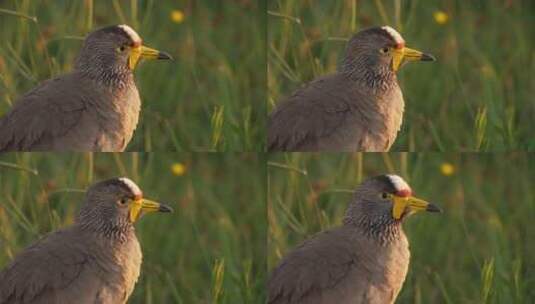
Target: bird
(95, 260)
(95, 107)
(358, 108)
(365, 260)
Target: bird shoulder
(46, 267)
(317, 265)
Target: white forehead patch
(398, 182)
(394, 34)
(131, 185)
(131, 33)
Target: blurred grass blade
(19, 167)
(172, 286)
(284, 166)
(359, 157)
(487, 280)
(436, 137)
(89, 10)
(354, 15)
(217, 126)
(17, 14)
(389, 164)
(218, 273)
(480, 127)
(119, 11)
(443, 289)
(287, 17)
(382, 11)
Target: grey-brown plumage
(359, 108)
(96, 260)
(363, 261)
(93, 108)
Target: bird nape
(96, 260)
(365, 260)
(358, 108)
(95, 107)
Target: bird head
(379, 51)
(387, 198)
(115, 49)
(116, 203)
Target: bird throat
(117, 79)
(113, 77)
(378, 80)
(383, 229)
(119, 231)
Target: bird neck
(114, 77)
(119, 234)
(382, 229)
(119, 231)
(377, 81)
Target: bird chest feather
(384, 266)
(129, 259)
(391, 108)
(397, 264)
(119, 118)
(129, 111)
(120, 264)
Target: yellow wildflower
(440, 17)
(177, 16)
(447, 169)
(178, 169)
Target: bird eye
(385, 195)
(121, 48)
(385, 50)
(124, 201)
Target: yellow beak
(406, 54)
(141, 206)
(144, 52)
(413, 204)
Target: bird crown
(395, 35)
(133, 35)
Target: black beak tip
(433, 208)
(165, 208)
(428, 57)
(164, 56)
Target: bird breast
(129, 259)
(397, 264)
(385, 266)
(119, 118)
(391, 107)
(120, 264)
(129, 112)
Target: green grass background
(478, 96)
(210, 250)
(480, 250)
(212, 97)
